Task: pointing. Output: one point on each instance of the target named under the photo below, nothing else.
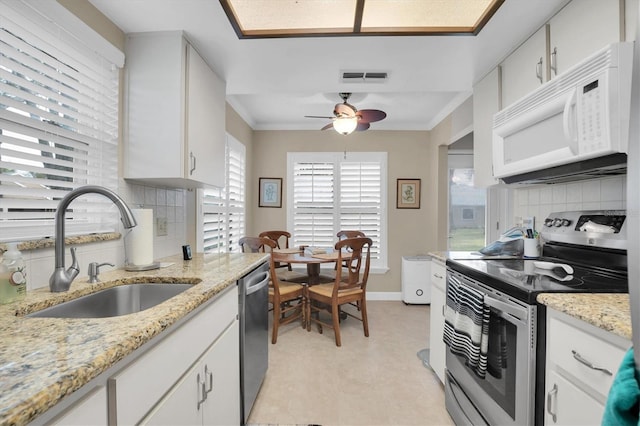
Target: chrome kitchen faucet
(61, 279)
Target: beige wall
(410, 155)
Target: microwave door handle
(568, 123)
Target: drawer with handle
(582, 354)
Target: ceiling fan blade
(328, 126)
(318, 116)
(371, 115)
(362, 126)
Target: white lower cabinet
(164, 377)
(208, 392)
(567, 404)
(582, 361)
(437, 347)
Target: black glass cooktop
(521, 279)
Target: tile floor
(377, 380)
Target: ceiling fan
(346, 118)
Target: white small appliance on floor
(416, 287)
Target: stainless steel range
(495, 365)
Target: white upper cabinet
(486, 102)
(581, 28)
(175, 113)
(526, 68)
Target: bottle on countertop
(13, 275)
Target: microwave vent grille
(609, 57)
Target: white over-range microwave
(574, 126)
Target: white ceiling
(274, 83)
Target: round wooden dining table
(312, 261)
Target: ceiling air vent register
(363, 77)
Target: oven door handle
(513, 310)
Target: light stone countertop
(42, 360)
(610, 312)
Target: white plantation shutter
(313, 203)
(224, 209)
(58, 128)
(361, 200)
(328, 193)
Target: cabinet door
(486, 102)
(221, 369)
(436, 321)
(570, 404)
(525, 69)
(154, 106)
(209, 393)
(183, 403)
(205, 122)
(580, 29)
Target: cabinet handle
(552, 395)
(438, 276)
(209, 375)
(554, 61)
(193, 163)
(202, 390)
(581, 360)
(539, 70)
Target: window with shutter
(58, 128)
(224, 209)
(328, 193)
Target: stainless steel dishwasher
(253, 301)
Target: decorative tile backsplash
(595, 194)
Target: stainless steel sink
(115, 301)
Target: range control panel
(600, 228)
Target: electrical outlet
(161, 226)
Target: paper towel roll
(140, 247)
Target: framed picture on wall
(408, 194)
(270, 192)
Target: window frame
(379, 265)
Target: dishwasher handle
(257, 282)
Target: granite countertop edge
(608, 311)
(43, 360)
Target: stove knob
(566, 222)
(548, 222)
(557, 222)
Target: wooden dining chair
(256, 245)
(287, 300)
(349, 234)
(348, 288)
(281, 238)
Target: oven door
(505, 396)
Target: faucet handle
(74, 260)
(94, 270)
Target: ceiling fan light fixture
(345, 125)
